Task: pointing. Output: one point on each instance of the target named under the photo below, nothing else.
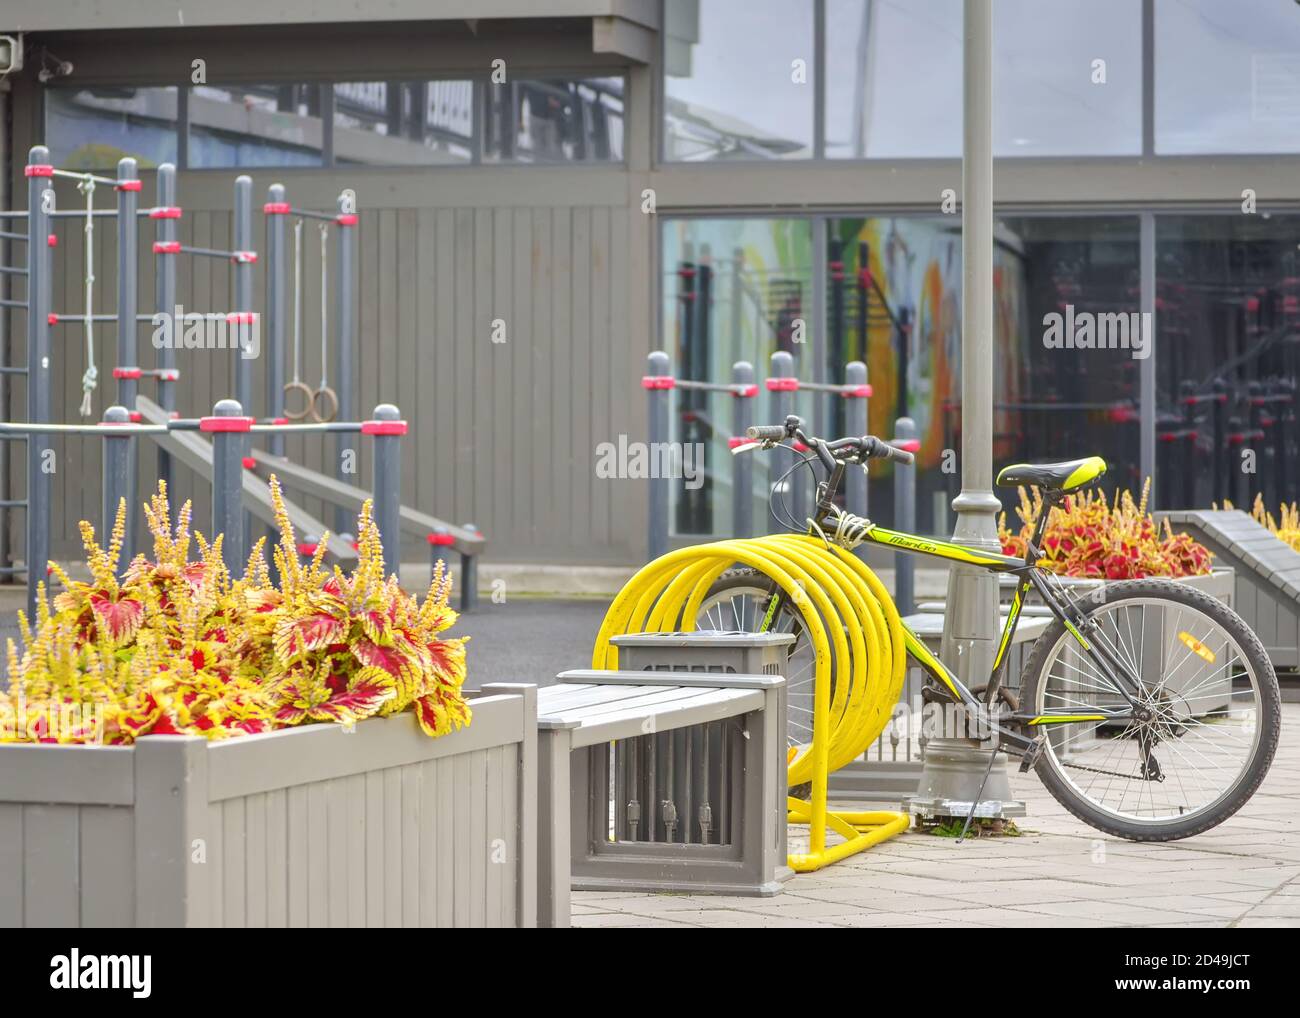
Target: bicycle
(1149, 683)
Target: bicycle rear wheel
(739, 601)
(1212, 699)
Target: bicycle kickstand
(978, 795)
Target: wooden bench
(660, 781)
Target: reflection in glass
(396, 123)
(1065, 401)
(1228, 346)
(894, 301)
(738, 79)
(1227, 76)
(556, 120)
(733, 289)
(92, 128)
(893, 88)
(255, 125)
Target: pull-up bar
(226, 427)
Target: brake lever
(747, 447)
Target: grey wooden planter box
(1217, 583)
(313, 826)
(1267, 571)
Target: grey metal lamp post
(954, 767)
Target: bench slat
(652, 702)
(712, 705)
(558, 698)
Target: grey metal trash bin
(660, 781)
(705, 650)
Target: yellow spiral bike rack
(858, 652)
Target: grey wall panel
(502, 434)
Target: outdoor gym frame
(41, 318)
(228, 428)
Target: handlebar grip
(878, 448)
(892, 452)
(767, 433)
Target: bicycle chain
(1101, 770)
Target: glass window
(1070, 343)
(555, 120)
(738, 79)
(741, 288)
(255, 125)
(1067, 78)
(1227, 76)
(733, 289)
(893, 292)
(398, 123)
(1227, 311)
(92, 128)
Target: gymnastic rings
(300, 400)
(324, 404)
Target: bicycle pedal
(1032, 753)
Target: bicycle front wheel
(1210, 699)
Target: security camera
(11, 53)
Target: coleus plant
(1090, 537)
(179, 647)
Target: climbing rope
(89, 380)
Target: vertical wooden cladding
(375, 849)
(307, 827)
(502, 330)
(520, 359)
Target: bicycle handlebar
(864, 448)
(883, 450)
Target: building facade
(548, 191)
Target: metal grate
(672, 787)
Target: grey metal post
(1147, 366)
(469, 577)
(438, 540)
(387, 428)
(40, 264)
(165, 299)
(117, 469)
(128, 356)
(953, 766)
(855, 423)
(229, 429)
(659, 368)
(243, 246)
(276, 209)
(243, 235)
(742, 466)
(970, 622)
(344, 318)
(783, 386)
(904, 516)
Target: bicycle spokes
(1189, 735)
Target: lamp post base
(950, 781)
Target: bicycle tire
(1050, 771)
